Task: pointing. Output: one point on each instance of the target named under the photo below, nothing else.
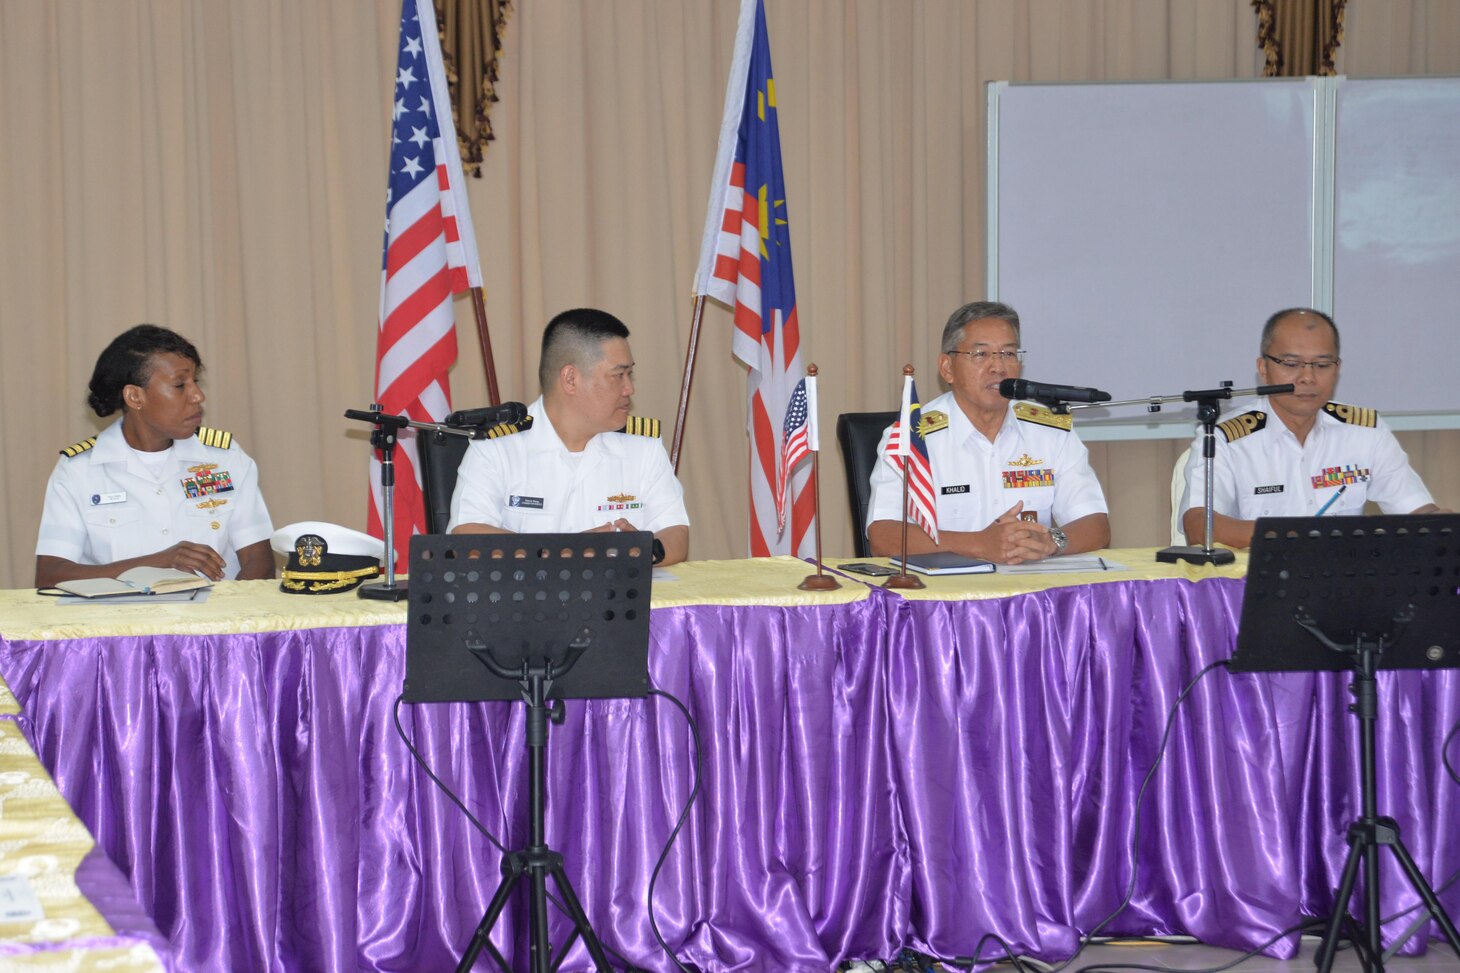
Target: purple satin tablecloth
(254, 788)
(1029, 723)
(875, 774)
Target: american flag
(430, 254)
(745, 263)
(799, 439)
(912, 449)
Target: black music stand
(1374, 593)
(536, 617)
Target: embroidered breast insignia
(208, 483)
(1025, 460)
(1019, 479)
(1354, 415)
(1244, 425)
(217, 438)
(621, 501)
(76, 449)
(1039, 415)
(1338, 476)
(932, 422)
(212, 504)
(642, 426)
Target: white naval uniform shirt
(1268, 473)
(105, 505)
(529, 482)
(976, 480)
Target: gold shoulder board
(642, 426)
(931, 422)
(508, 428)
(217, 438)
(1042, 416)
(1243, 425)
(1354, 415)
(76, 449)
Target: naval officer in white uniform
(1011, 480)
(584, 464)
(1299, 454)
(155, 487)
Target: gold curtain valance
(471, 45)
(1299, 37)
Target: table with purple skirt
(878, 770)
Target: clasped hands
(1015, 541)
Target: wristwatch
(1061, 539)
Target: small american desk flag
(799, 439)
(430, 254)
(907, 446)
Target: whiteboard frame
(1322, 216)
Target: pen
(1331, 501)
(1102, 564)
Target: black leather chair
(440, 456)
(859, 433)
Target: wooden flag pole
(820, 581)
(902, 579)
(489, 366)
(686, 381)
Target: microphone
(1018, 388)
(490, 416)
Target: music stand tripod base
(1195, 555)
(538, 618)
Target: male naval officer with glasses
(1011, 480)
(1300, 454)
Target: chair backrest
(1178, 487)
(859, 433)
(440, 456)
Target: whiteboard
(1396, 278)
(1145, 231)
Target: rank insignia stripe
(642, 426)
(1243, 425)
(932, 422)
(217, 438)
(1041, 416)
(1354, 415)
(76, 449)
(509, 428)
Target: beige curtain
(220, 168)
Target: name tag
(948, 490)
(100, 499)
(1273, 488)
(532, 503)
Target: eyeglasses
(1319, 367)
(983, 356)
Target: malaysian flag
(430, 254)
(912, 450)
(745, 263)
(799, 439)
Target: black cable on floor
(683, 817)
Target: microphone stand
(386, 432)
(1208, 409)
